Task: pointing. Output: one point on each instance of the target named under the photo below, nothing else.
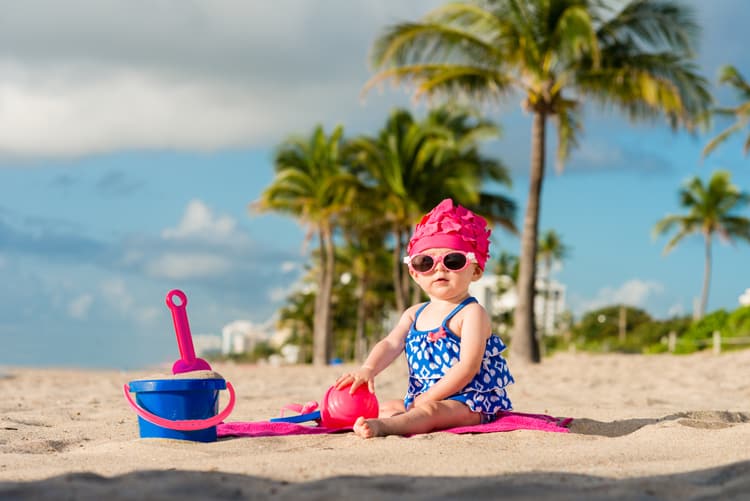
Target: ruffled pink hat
(453, 227)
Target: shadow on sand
(726, 482)
(693, 419)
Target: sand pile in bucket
(201, 374)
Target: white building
(206, 344)
(485, 290)
(241, 336)
(745, 298)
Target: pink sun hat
(452, 226)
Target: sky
(134, 135)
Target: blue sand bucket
(183, 409)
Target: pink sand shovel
(187, 362)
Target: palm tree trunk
(706, 277)
(322, 333)
(360, 348)
(545, 313)
(524, 342)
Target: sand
(650, 427)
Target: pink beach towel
(508, 421)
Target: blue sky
(133, 136)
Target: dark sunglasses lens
(454, 261)
(422, 263)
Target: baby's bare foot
(367, 428)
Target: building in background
(547, 318)
(207, 345)
(242, 336)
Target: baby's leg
(391, 408)
(421, 419)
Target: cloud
(200, 223)
(676, 310)
(47, 237)
(116, 294)
(206, 248)
(286, 266)
(278, 294)
(79, 307)
(635, 292)
(187, 265)
(117, 183)
(198, 76)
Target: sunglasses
(453, 261)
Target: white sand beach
(656, 427)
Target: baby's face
(443, 280)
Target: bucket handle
(182, 424)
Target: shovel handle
(181, 324)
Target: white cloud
(116, 294)
(197, 76)
(200, 223)
(676, 310)
(129, 108)
(148, 314)
(278, 294)
(177, 266)
(80, 306)
(289, 266)
(634, 292)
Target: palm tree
(551, 249)
(554, 53)
(412, 165)
(364, 231)
(312, 184)
(741, 113)
(710, 210)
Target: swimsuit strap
(468, 300)
(458, 308)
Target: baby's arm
(475, 330)
(381, 356)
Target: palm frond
(721, 138)
(569, 128)
(657, 23)
(406, 43)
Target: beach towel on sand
(508, 421)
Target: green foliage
(738, 323)
(653, 336)
(598, 330)
(704, 328)
(261, 351)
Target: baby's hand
(356, 379)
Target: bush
(598, 330)
(653, 336)
(738, 323)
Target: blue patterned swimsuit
(431, 353)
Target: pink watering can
(187, 362)
(339, 408)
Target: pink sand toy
(184, 405)
(187, 362)
(339, 408)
